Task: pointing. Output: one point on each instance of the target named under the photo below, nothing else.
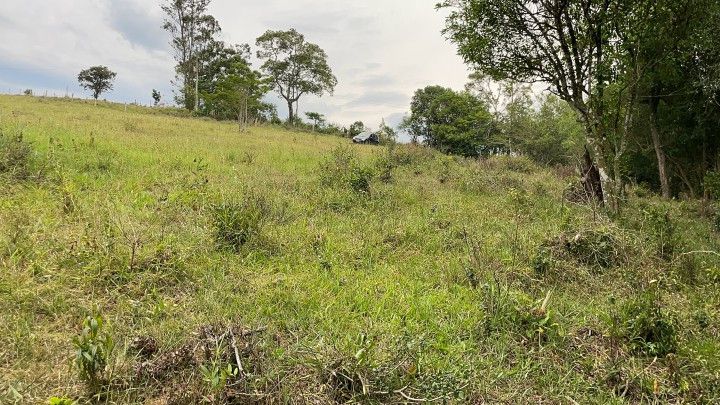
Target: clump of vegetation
(343, 169)
(216, 372)
(510, 310)
(596, 247)
(238, 223)
(93, 347)
(647, 327)
(661, 228)
(15, 156)
(543, 261)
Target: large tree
(586, 50)
(97, 79)
(295, 66)
(192, 30)
(453, 122)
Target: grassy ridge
(429, 284)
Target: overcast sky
(380, 50)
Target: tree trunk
(197, 87)
(606, 193)
(659, 152)
(291, 115)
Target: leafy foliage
(92, 351)
(238, 223)
(97, 79)
(15, 156)
(295, 66)
(342, 169)
(647, 327)
(456, 123)
(191, 31)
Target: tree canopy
(453, 122)
(97, 79)
(295, 66)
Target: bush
(342, 169)
(662, 229)
(518, 164)
(237, 224)
(509, 310)
(597, 248)
(359, 179)
(93, 348)
(543, 261)
(15, 156)
(712, 184)
(647, 327)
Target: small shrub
(342, 169)
(15, 156)
(597, 248)
(519, 164)
(236, 224)
(662, 229)
(712, 184)
(359, 179)
(216, 372)
(93, 348)
(28, 92)
(543, 262)
(509, 310)
(647, 327)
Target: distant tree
(453, 122)
(97, 79)
(387, 134)
(317, 119)
(28, 92)
(356, 128)
(156, 97)
(191, 30)
(296, 67)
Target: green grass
(367, 297)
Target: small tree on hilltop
(357, 128)
(97, 79)
(317, 119)
(156, 97)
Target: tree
(356, 128)
(296, 67)
(453, 122)
(586, 50)
(387, 134)
(238, 94)
(191, 31)
(97, 79)
(156, 97)
(317, 119)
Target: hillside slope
(332, 272)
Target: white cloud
(381, 51)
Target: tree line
(642, 78)
(216, 79)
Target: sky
(380, 50)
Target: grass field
(333, 272)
